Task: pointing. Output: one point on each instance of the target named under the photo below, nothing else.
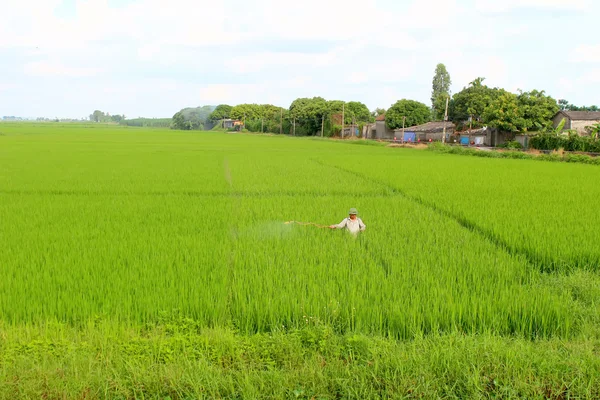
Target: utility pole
(281, 122)
(403, 119)
(294, 126)
(322, 123)
(343, 110)
(262, 124)
(445, 120)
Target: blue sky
(144, 58)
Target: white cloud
(590, 77)
(153, 55)
(586, 53)
(495, 6)
(51, 68)
(7, 86)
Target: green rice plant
(131, 225)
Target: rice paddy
(129, 225)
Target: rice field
(148, 263)
(128, 225)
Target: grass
(156, 263)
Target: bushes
(570, 142)
(512, 144)
(519, 155)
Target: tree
(505, 113)
(97, 116)
(192, 117)
(377, 112)
(223, 111)
(566, 106)
(440, 91)
(308, 114)
(563, 104)
(471, 102)
(594, 131)
(416, 113)
(538, 109)
(246, 111)
(358, 112)
(179, 122)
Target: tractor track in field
(533, 260)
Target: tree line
(99, 116)
(476, 105)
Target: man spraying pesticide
(353, 224)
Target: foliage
(179, 122)
(538, 110)
(472, 101)
(256, 112)
(578, 158)
(358, 112)
(99, 116)
(222, 111)
(377, 112)
(564, 105)
(416, 113)
(556, 139)
(191, 118)
(179, 359)
(522, 112)
(594, 131)
(308, 114)
(440, 91)
(512, 144)
(571, 141)
(505, 114)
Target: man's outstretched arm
(340, 225)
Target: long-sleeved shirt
(354, 226)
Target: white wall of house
(580, 126)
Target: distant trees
(311, 115)
(538, 109)
(377, 112)
(192, 118)
(471, 102)
(99, 116)
(566, 106)
(414, 113)
(358, 112)
(223, 111)
(498, 108)
(504, 113)
(440, 91)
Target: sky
(150, 58)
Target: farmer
(353, 224)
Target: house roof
(380, 118)
(581, 115)
(429, 127)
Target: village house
(577, 120)
(378, 130)
(430, 131)
(232, 124)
